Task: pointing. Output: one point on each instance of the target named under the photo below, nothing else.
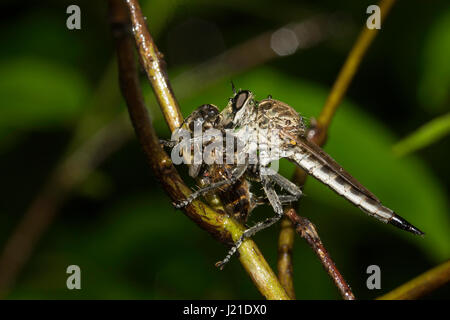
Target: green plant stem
(421, 285)
(348, 71)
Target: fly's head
(240, 110)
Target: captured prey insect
(227, 181)
(266, 121)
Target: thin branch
(154, 66)
(319, 128)
(347, 73)
(285, 246)
(308, 231)
(223, 228)
(421, 285)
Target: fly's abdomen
(236, 200)
(332, 179)
(235, 197)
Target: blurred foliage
(434, 86)
(28, 84)
(119, 226)
(425, 135)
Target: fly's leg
(274, 200)
(284, 198)
(276, 205)
(286, 184)
(168, 143)
(236, 174)
(194, 167)
(287, 198)
(173, 143)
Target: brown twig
(421, 285)
(308, 231)
(223, 228)
(284, 266)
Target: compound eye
(191, 126)
(212, 112)
(240, 99)
(208, 111)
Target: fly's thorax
(256, 145)
(279, 118)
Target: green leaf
(37, 93)
(424, 136)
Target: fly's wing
(331, 164)
(317, 163)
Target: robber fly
(264, 121)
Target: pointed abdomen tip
(401, 223)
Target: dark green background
(120, 227)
